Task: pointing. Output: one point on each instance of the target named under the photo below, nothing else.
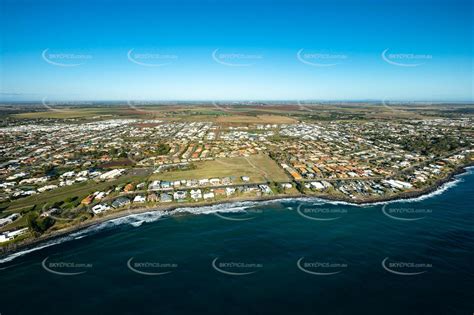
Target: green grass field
(258, 167)
(80, 190)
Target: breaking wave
(234, 207)
(132, 220)
(137, 220)
(440, 190)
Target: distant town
(62, 169)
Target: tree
(32, 224)
(38, 225)
(300, 187)
(278, 188)
(162, 149)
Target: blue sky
(236, 50)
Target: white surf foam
(234, 207)
(137, 224)
(134, 220)
(137, 220)
(26, 251)
(440, 190)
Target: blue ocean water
(281, 257)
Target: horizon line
(249, 101)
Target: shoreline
(31, 243)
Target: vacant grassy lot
(258, 167)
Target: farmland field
(67, 113)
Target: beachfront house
(317, 185)
(208, 195)
(196, 194)
(166, 197)
(179, 195)
(265, 189)
(97, 209)
(120, 202)
(153, 197)
(139, 199)
(9, 235)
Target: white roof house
(100, 208)
(229, 191)
(179, 195)
(196, 194)
(208, 195)
(317, 185)
(139, 199)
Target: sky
(78, 50)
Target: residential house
(120, 202)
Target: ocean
(301, 256)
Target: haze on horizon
(236, 50)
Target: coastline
(32, 243)
(402, 196)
